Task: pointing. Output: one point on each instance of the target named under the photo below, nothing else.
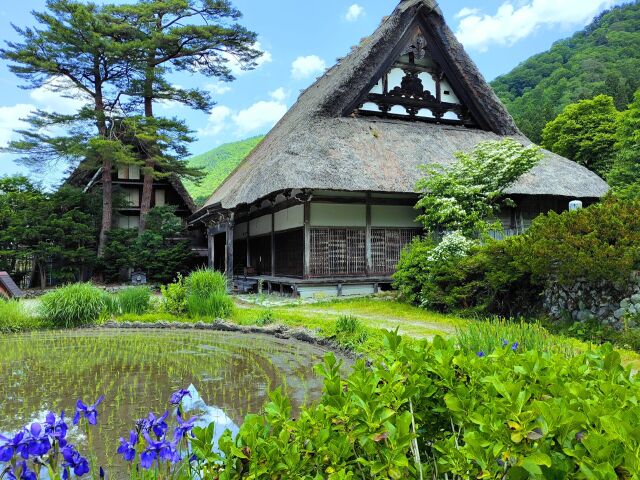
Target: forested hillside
(218, 164)
(604, 58)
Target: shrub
(174, 297)
(15, 318)
(413, 269)
(74, 305)
(265, 318)
(431, 410)
(136, 300)
(216, 305)
(349, 330)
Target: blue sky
(300, 40)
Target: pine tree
(197, 36)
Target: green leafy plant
(349, 330)
(174, 297)
(74, 305)
(14, 317)
(215, 305)
(266, 318)
(204, 282)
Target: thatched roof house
(407, 95)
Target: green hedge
(451, 413)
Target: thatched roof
(318, 144)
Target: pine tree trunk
(147, 184)
(107, 205)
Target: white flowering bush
(466, 196)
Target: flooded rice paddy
(229, 375)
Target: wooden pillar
(211, 245)
(273, 243)
(368, 251)
(307, 240)
(229, 256)
(248, 243)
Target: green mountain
(604, 58)
(218, 164)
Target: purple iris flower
(157, 451)
(515, 346)
(176, 397)
(184, 426)
(38, 440)
(12, 446)
(158, 425)
(74, 461)
(25, 473)
(481, 354)
(128, 449)
(56, 429)
(88, 412)
(505, 343)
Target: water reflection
(228, 374)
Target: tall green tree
(75, 50)
(196, 36)
(624, 176)
(468, 195)
(585, 132)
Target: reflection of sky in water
(208, 415)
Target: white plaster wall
(292, 217)
(260, 225)
(393, 216)
(240, 231)
(338, 215)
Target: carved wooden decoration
(416, 87)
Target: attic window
(416, 88)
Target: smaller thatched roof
(321, 144)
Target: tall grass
(15, 318)
(74, 305)
(350, 331)
(207, 295)
(204, 282)
(216, 305)
(134, 300)
(488, 336)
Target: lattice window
(337, 252)
(386, 247)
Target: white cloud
(354, 12)
(216, 122)
(59, 96)
(512, 23)
(279, 95)
(305, 67)
(236, 67)
(217, 88)
(260, 115)
(10, 120)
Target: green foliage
(624, 176)
(174, 297)
(266, 318)
(207, 295)
(214, 305)
(350, 331)
(497, 334)
(134, 300)
(204, 282)
(586, 133)
(604, 58)
(413, 270)
(218, 163)
(159, 251)
(430, 410)
(73, 305)
(57, 231)
(468, 195)
(15, 318)
(598, 243)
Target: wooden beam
(273, 243)
(368, 252)
(248, 244)
(229, 256)
(307, 240)
(211, 242)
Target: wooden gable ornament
(8, 287)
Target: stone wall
(616, 305)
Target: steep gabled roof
(323, 142)
(9, 286)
